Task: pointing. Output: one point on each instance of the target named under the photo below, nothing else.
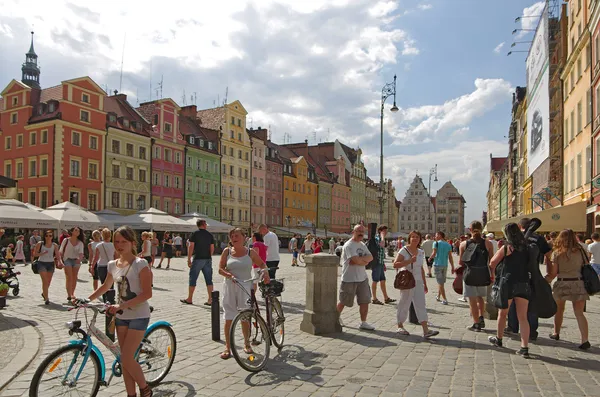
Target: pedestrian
(104, 253)
(581, 241)
(331, 246)
(65, 234)
(355, 282)
(258, 245)
(317, 246)
(568, 258)
(71, 251)
(146, 247)
(594, 250)
(9, 253)
(411, 258)
(484, 251)
(134, 288)
(492, 239)
(293, 247)
(236, 261)
(178, 241)
(19, 250)
(96, 239)
(378, 269)
(441, 254)
(152, 237)
(48, 259)
(202, 247)
(167, 250)
(272, 242)
(427, 248)
(515, 257)
(308, 244)
(33, 241)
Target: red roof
(51, 93)
(497, 163)
(118, 105)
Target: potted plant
(3, 293)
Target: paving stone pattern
(353, 363)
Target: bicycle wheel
(157, 353)
(250, 342)
(301, 258)
(277, 323)
(57, 374)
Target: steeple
(30, 69)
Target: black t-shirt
(202, 240)
(542, 244)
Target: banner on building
(538, 102)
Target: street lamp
(432, 172)
(387, 91)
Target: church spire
(30, 69)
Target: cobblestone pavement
(381, 363)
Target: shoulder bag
(404, 278)
(589, 276)
(499, 295)
(34, 263)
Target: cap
(490, 235)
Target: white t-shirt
(177, 240)
(106, 253)
(427, 247)
(147, 248)
(272, 242)
(594, 249)
(353, 273)
(494, 245)
(128, 286)
(71, 252)
(308, 244)
(416, 267)
(293, 244)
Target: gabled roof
(274, 147)
(188, 126)
(13, 82)
(496, 163)
(119, 105)
(88, 83)
(51, 93)
(212, 118)
(350, 153)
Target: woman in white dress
(411, 258)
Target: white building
(416, 210)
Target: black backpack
(475, 257)
(373, 247)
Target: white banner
(538, 124)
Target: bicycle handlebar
(260, 273)
(97, 307)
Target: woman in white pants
(411, 258)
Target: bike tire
(171, 351)
(51, 360)
(257, 325)
(301, 258)
(277, 320)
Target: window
(32, 197)
(579, 170)
(14, 118)
(572, 77)
(8, 170)
(15, 100)
(177, 183)
(206, 188)
(156, 180)
(129, 149)
(239, 172)
(142, 175)
(167, 154)
(92, 171)
(588, 164)
(85, 98)
(177, 208)
(167, 206)
(207, 166)
(32, 168)
(588, 56)
(116, 147)
(579, 117)
(157, 152)
(43, 167)
(44, 199)
(231, 170)
(167, 184)
(198, 164)
(572, 185)
(84, 116)
(246, 174)
(239, 154)
(129, 174)
(20, 140)
(116, 200)
(93, 142)
(247, 157)
(168, 127)
(177, 157)
(572, 125)
(129, 201)
(232, 120)
(44, 136)
(588, 108)
(8, 143)
(239, 122)
(232, 134)
(239, 137)
(75, 168)
(19, 170)
(32, 139)
(142, 153)
(92, 202)
(579, 68)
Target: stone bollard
(491, 311)
(320, 315)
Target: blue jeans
(138, 324)
(513, 321)
(204, 266)
(596, 268)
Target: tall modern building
(450, 210)
(416, 211)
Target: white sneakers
(366, 326)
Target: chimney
(189, 111)
(259, 128)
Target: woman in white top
(96, 239)
(308, 243)
(134, 279)
(71, 251)
(411, 258)
(48, 257)
(146, 247)
(105, 252)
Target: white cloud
(425, 7)
(529, 18)
(498, 48)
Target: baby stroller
(9, 276)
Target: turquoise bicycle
(79, 367)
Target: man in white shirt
(492, 239)
(427, 247)
(355, 282)
(272, 242)
(594, 249)
(293, 247)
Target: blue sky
(299, 67)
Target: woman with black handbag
(515, 257)
(568, 258)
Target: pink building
(259, 176)
(167, 155)
(274, 185)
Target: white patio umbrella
(34, 207)
(15, 214)
(154, 219)
(111, 217)
(71, 215)
(212, 225)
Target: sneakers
(437, 298)
(481, 322)
(585, 346)
(444, 302)
(430, 334)
(475, 327)
(366, 326)
(494, 340)
(462, 299)
(523, 352)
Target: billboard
(538, 96)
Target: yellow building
(577, 153)
(230, 119)
(300, 191)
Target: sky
(311, 69)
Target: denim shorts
(138, 324)
(204, 266)
(45, 267)
(378, 273)
(70, 263)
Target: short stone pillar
(320, 315)
(491, 311)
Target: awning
(553, 219)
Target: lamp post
(432, 172)
(387, 91)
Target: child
(9, 255)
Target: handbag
(589, 276)
(34, 264)
(404, 278)
(457, 284)
(499, 295)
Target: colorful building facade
(274, 185)
(259, 176)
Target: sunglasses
(49, 235)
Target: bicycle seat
(151, 309)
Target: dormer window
(40, 110)
(125, 123)
(192, 140)
(210, 145)
(134, 125)
(201, 143)
(51, 107)
(112, 118)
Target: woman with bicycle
(236, 263)
(133, 279)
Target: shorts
(234, 299)
(45, 267)
(596, 268)
(470, 291)
(378, 273)
(360, 290)
(428, 261)
(95, 274)
(440, 274)
(308, 252)
(198, 265)
(149, 260)
(295, 254)
(70, 263)
(138, 324)
(178, 247)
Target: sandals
(207, 303)
(185, 301)
(390, 300)
(377, 302)
(226, 355)
(402, 331)
(146, 392)
(555, 336)
(248, 350)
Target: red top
(316, 248)
(262, 251)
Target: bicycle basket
(275, 288)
